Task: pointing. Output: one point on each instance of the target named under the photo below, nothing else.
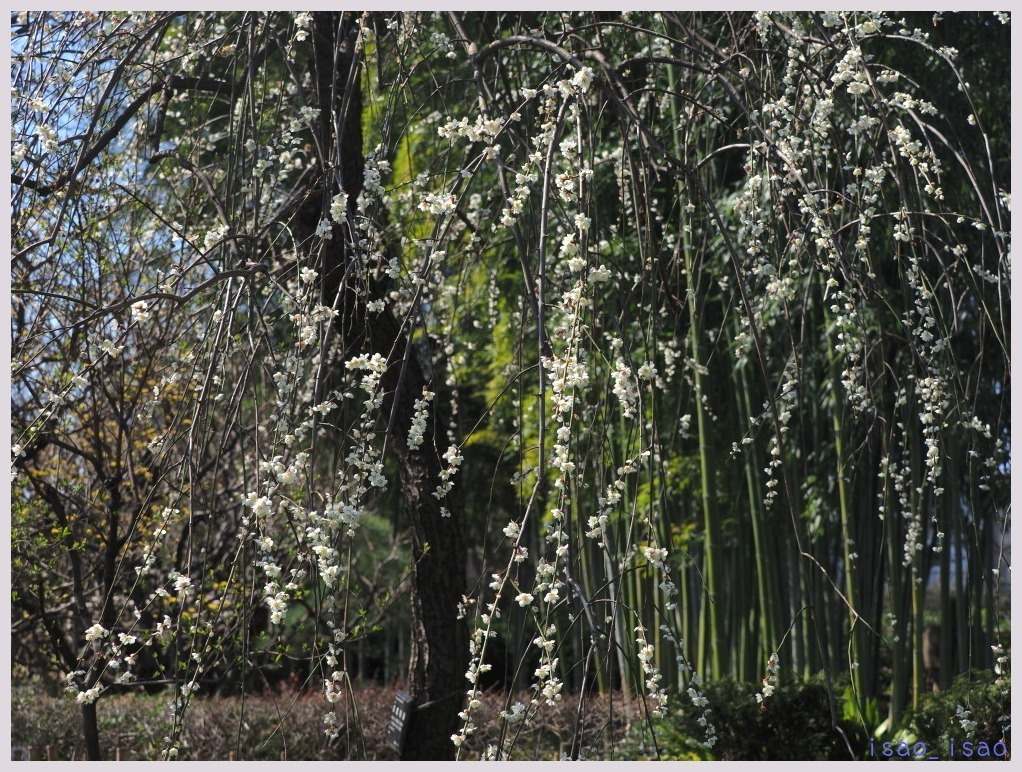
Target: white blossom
(96, 632)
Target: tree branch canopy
(517, 359)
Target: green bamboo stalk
(946, 523)
(851, 594)
(709, 657)
(961, 614)
(711, 650)
(898, 681)
(771, 601)
(590, 582)
(918, 623)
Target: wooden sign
(400, 716)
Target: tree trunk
(90, 730)
(439, 650)
(439, 656)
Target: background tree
(675, 347)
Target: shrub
(975, 709)
(794, 723)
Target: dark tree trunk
(90, 730)
(439, 650)
(439, 656)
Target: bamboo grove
(548, 352)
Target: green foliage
(868, 717)
(976, 708)
(793, 723)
